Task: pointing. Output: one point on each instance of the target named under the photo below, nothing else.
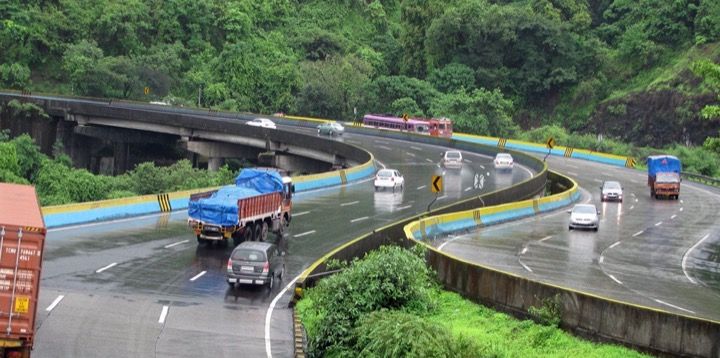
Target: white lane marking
(404, 207)
(430, 160)
(545, 238)
(442, 197)
(468, 188)
(613, 245)
(632, 194)
(410, 154)
(614, 279)
(572, 166)
(467, 161)
(381, 141)
(602, 258)
(384, 147)
(525, 169)
(636, 200)
(106, 267)
(421, 187)
(687, 253)
(54, 303)
(381, 164)
(268, 316)
(525, 266)
(633, 181)
(598, 180)
(658, 223)
(632, 207)
(682, 202)
(673, 216)
(350, 203)
(416, 148)
(673, 306)
(482, 166)
(359, 219)
(163, 314)
(573, 174)
(175, 244)
(638, 233)
(524, 250)
(198, 276)
(301, 213)
(305, 233)
(681, 209)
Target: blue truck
(664, 176)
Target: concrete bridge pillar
(215, 163)
(121, 155)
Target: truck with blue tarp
(664, 176)
(259, 202)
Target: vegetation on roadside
(57, 182)
(389, 305)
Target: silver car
(255, 263)
(584, 216)
(262, 122)
(611, 191)
(452, 159)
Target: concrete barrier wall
(442, 225)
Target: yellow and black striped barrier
(501, 143)
(164, 201)
(568, 152)
(343, 177)
(477, 217)
(630, 162)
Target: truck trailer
(664, 176)
(22, 239)
(258, 203)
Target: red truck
(258, 203)
(22, 239)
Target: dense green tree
(332, 88)
(453, 77)
(480, 111)
(386, 89)
(416, 16)
(407, 106)
(710, 72)
(15, 75)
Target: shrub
(388, 278)
(399, 334)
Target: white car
(262, 122)
(584, 216)
(389, 178)
(611, 190)
(452, 159)
(503, 161)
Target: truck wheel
(263, 231)
(247, 234)
(250, 229)
(257, 232)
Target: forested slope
(639, 71)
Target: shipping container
(22, 239)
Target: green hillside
(623, 69)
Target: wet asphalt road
(658, 253)
(143, 287)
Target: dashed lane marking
(106, 267)
(685, 257)
(350, 203)
(301, 213)
(163, 314)
(55, 303)
(201, 274)
(359, 219)
(638, 233)
(305, 233)
(176, 244)
(673, 306)
(615, 279)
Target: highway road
(658, 253)
(143, 287)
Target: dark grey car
(255, 263)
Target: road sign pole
(432, 202)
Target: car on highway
(452, 159)
(611, 191)
(262, 122)
(584, 216)
(255, 263)
(388, 178)
(331, 128)
(503, 161)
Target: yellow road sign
(146, 90)
(436, 183)
(550, 142)
(405, 117)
